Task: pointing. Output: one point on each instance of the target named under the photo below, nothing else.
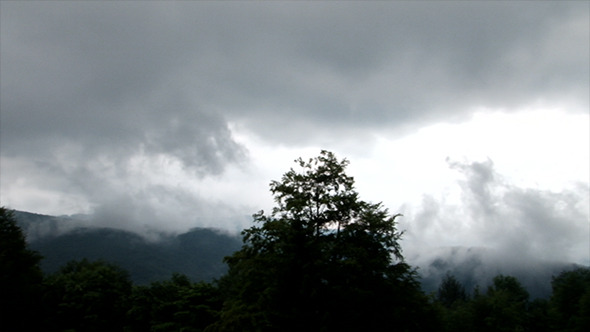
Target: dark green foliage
(506, 305)
(451, 297)
(174, 305)
(538, 316)
(20, 277)
(570, 302)
(451, 292)
(88, 296)
(322, 261)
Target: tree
(324, 260)
(503, 308)
(20, 277)
(451, 291)
(452, 305)
(88, 296)
(174, 305)
(570, 301)
(508, 302)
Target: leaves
(174, 305)
(322, 260)
(88, 296)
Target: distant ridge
(197, 253)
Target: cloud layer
(141, 112)
(519, 224)
(172, 75)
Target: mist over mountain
(37, 226)
(476, 267)
(199, 254)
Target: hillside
(197, 253)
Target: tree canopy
(323, 260)
(451, 291)
(571, 300)
(88, 296)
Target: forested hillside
(198, 253)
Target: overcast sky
(470, 118)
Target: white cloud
(521, 223)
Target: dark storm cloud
(350, 60)
(392, 64)
(101, 77)
(520, 224)
(89, 87)
(96, 69)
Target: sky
(469, 118)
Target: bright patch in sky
(546, 149)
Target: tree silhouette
(451, 291)
(324, 260)
(20, 277)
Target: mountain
(197, 253)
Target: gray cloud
(155, 209)
(89, 87)
(520, 224)
(321, 66)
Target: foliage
(174, 305)
(570, 302)
(323, 260)
(506, 306)
(88, 296)
(20, 277)
(506, 302)
(451, 292)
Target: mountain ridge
(199, 252)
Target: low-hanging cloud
(519, 224)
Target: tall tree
(20, 277)
(323, 260)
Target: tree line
(322, 260)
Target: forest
(322, 260)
